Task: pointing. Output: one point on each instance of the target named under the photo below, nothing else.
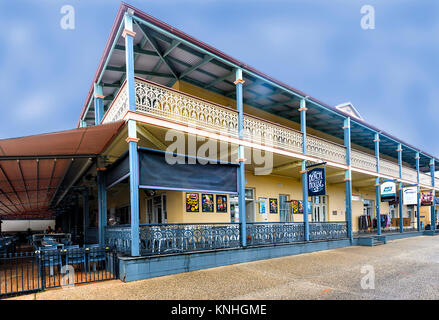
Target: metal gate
(28, 272)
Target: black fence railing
(27, 272)
(182, 237)
(187, 237)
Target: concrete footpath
(403, 269)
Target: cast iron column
(401, 224)
(132, 139)
(377, 183)
(241, 171)
(302, 110)
(348, 177)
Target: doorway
(319, 208)
(156, 209)
(250, 208)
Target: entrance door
(250, 208)
(156, 209)
(318, 208)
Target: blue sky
(390, 73)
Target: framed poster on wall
(192, 202)
(207, 202)
(221, 203)
(262, 205)
(273, 205)
(295, 206)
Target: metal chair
(95, 254)
(49, 257)
(74, 255)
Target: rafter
(12, 187)
(155, 74)
(205, 60)
(151, 137)
(153, 42)
(24, 183)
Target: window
(122, 214)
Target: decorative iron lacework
(266, 133)
(327, 230)
(119, 238)
(170, 105)
(425, 179)
(174, 238)
(363, 161)
(409, 174)
(274, 232)
(184, 109)
(389, 168)
(326, 150)
(118, 107)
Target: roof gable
(349, 109)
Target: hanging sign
(388, 191)
(409, 196)
(426, 198)
(316, 182)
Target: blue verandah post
(401, 221)
(348, 177)
(241, 171)
(433, 207)
(99, 103)
(377, 183)
(85, 213)
(102, 206)
(418, 203)
(132, 139)
(302, 110)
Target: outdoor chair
(74, 255)
(95, 255)
(49, 257)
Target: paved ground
(404, 269)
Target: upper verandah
(165, 55)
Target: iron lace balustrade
(261, 233)
(185, 237)
(119, 237)
(327, 230)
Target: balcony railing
(183, 237)
(156, 239)
(172, 105)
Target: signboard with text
(409, 196)
(388, 191)
(316, 182)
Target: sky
(389, 73)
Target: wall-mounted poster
(262, 205)
(410, 195)
(207, 203)
(300, 206)
(221, 203)
(192, 202)
(273, 205)
(426, 198)
(295, 206)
